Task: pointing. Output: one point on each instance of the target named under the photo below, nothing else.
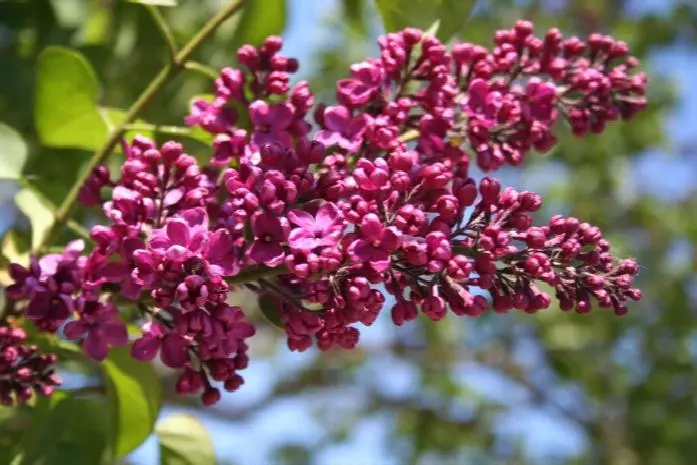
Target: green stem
(255, 274)
(202, 69)
(164, 30)
(173, 130)
(79, 229)
(146, 98)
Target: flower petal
(326, 216)
(174, 351)
(266, 253)
(178, 232)
(74, 330)
(302, 219)
(115, 333)
(259, 113)
(95, 345)
(302, 240)
(145, 348)
(337, 118)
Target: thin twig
(173, 130)
(164, 30)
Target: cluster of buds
(23, 370)
(377, 205)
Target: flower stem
(202, 69)
(146, 98)
(255, 274)
(173, 130)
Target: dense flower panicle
(378, 203)
(23, 370)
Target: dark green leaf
(452, 14)
(65, 429)
(184, 441)
(134, 392)
(13, 153)
(13, 426)
(269, 307)
(66, 111)
(259, 19)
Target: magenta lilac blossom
(329, 211)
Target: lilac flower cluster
(23, 370)
(378, 200)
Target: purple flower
(269, 232)
(144, 274)
(182, 237)
(375, 243)
(211, 117)
(342, 129)
(100, 327)
(49, 283)
(271, 122)
(540, 100)
(483, 102)
(228, 146)
(222, 254)
(49, 306)
(372, 176)
(322, 230)
(364, 85)
(173, 347)
(99, 271)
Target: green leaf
(95, 29)
(155, 2)
(134, 392)
(184, 441)
(13, 423)
(269, 308)
(451, 14)
(65, 429)
(259, 19)
(15, 247)
(39, 213)
(66, 111)
(13, 153)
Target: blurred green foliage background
(515, 389)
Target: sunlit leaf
(39, 213)
(451, 14)
(184, 441)
(15, 248)
(13, 153)
(155, 2)
(66, 111)
(95, 30)
(134, 392)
